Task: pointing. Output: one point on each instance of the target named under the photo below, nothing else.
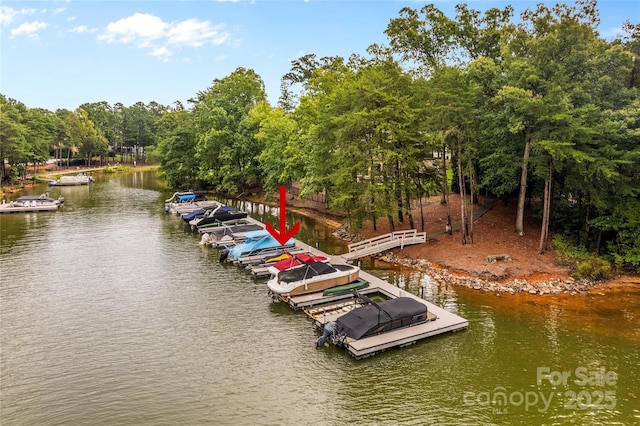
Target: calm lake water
(111, 313)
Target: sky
(60, 54)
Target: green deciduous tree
(227, 149)
(176, 148)
(13, 142)
(92, 141)
(451, 99)
(278, 160)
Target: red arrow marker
(282, 235)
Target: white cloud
(161, 53)
(195, 33)
(29, 30)
(139, 28)
(8, 14)
(82, 29)
(143, 30)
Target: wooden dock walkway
(384, 242)
(321, 309)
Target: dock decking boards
(321, 309)
(441, 320)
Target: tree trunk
(586, 223)
(544, 232)
(398, 192)
(421, 213)
(445, 183)
(472, 186)
(523, 187)
(407, 197)
(392, 227)
(445, 190)
(463, 217)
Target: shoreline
(48, 174)
(466, 279)
(441, 273)
(463, 278)
(515, 286)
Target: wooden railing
(384, 242)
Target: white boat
(80, 179)
(32, 203)
(187, 201)
(227, 235)
(311, 278)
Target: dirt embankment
(519, 268)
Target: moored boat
(216, 216)
(227, 235)
(295, 260)
(262, 268)
(32, 203)
(371, 319)
(79, 179)
(311, 278)
(258, 245)
(187, 201)
(189, 216)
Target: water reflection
(112, 313)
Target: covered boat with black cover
(218, 215)
(375, 318)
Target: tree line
(34, 135)
(540, 109)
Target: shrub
(597, 269)
(582, 263)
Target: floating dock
(322, 309)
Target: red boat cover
(297, 260)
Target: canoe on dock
(347, 288)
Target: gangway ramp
(384, 242)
